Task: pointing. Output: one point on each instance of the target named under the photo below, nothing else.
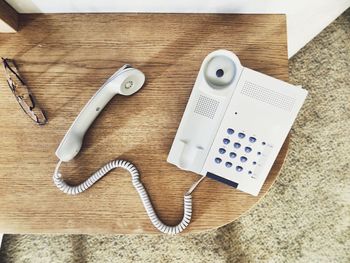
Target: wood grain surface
(65, 59)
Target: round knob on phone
(220, 71)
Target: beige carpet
(304, 218)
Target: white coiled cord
(74, 190)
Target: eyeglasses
(23, 95)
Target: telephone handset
(126, 81)
(235, 123)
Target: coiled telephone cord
(74, 190)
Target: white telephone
(235, 123)
(233, 127)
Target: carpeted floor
(304, 218)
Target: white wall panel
(305, 18)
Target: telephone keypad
(240, 152)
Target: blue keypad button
(239, 168)
(233, 155)
(226, 141)
(230, 131)
(241, 135)
(222, 150)
(237, 145)
(218, 160)
(228, 164)
(243, 159)
(247, 149)
(252, 139)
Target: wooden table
(65, 59)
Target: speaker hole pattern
(268, 96)
(206, 107)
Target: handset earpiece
(126, 81)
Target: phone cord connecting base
(74, 190)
